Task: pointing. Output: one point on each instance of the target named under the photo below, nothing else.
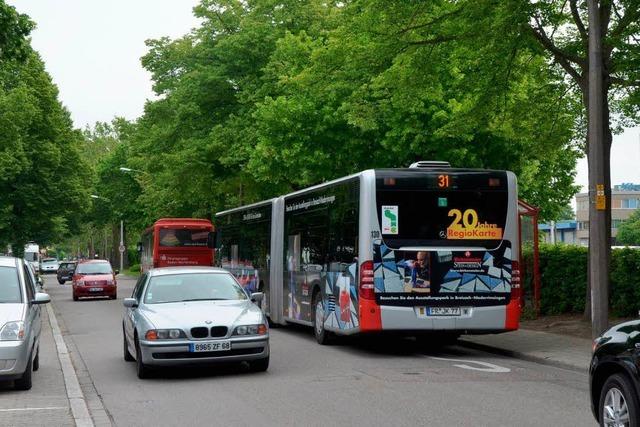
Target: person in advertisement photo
(416, 273)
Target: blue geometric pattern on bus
(452, 275)
(391, 275)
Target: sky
(92, 50)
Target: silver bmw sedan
(193, 315)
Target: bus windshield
(414, 212)
(183, 237)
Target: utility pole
(599, 246)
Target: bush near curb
(563, 277)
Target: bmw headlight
(164, 334)
(12, 331)
(260, 329)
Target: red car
(94, 278)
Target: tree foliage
(270, 96)
(14, 29)
(41, 174)
(629, 230)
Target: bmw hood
(10, 312)
(185, 315)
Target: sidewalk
(541, 347)
(46, 404)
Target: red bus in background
(177, 242)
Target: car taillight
(516, 290)
(367, 288)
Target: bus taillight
(516, 291)
(367, 290)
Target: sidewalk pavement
(541, 347)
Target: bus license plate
(443, 311)
(210, 346)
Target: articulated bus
(422, 249)
(175, 242)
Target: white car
(20, 322)
(49, 265)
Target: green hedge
(563, 274)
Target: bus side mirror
(139, 246)
(211, 240)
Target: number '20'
(469, 218)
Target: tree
(42, 177)
(324, 89)
(601, 39)
(629, 230)
(14, 30)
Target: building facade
(559, 232)
(625, 199)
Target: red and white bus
(175, 242)
(428, 248)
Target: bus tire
(322, 335)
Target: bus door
(294, 277)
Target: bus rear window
(432, 217)
(182, 237)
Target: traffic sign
(121, 248)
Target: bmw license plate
(443, 311)
(96, 289)
(222, 345)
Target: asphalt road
(383, 381)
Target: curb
(523, 356)
(79, 408)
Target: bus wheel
(322, 335)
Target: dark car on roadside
(94, 278)
(65, 271)
(614, 376)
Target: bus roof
(386, 171)
(241, 208)
(180, 222)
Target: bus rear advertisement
(176, 242)
(410, 250)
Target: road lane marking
(46, 408)
(485, 366)
(79, 408)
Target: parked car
(65, 271)
(94, 278)
(48, 265)
(614, 376)
(193, 315)
(20, 322)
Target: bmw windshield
(193, 287)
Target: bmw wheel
(259, 365)
(127, 354)
(141, 369)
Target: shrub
(563, 279)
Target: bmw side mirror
(130, 302)
(256, 297)
(41, 298)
